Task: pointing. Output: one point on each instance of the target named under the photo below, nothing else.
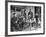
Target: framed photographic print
(25, 18)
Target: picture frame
(19, 5)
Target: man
(21, 23)
(14, 22)
(30, 14)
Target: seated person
(13, 22)
(21, 23)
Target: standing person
(37, 16)
(30, 14)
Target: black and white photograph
(25, 18)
